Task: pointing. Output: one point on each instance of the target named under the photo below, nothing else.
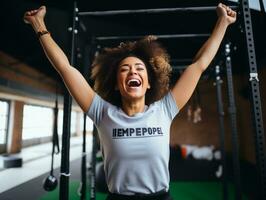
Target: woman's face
(132, 78)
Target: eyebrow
(134, 64)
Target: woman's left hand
(226, 12)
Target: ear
(149, 86)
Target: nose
(133, 70)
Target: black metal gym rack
(233, 122)
(64, 171)
(254, 82)
(255, 98)
(218, 83)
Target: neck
(133, 107)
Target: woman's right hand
(30, 17)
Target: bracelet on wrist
(41, 33)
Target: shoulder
(167, 104)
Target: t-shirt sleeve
(96, 109)
(169, 105)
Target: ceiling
(18, 39)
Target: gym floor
(190, 179)
(26, 182)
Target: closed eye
(124, 68)
(139, 66)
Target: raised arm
(186, 84)
(74, 81)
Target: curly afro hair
(150, 51)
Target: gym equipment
(257, 114)
(88, 50)
(64, 171)
(10, 161)
(93, 165)
(233, 124)
(255, 99)
(149, 11)
(222, 171)
(101, 185)
(158, 36)
(50, 183)
(83, 183)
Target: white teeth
(132, 81)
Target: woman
(132, 106)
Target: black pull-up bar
(101, 38)
(150, 11)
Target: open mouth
(133, 83)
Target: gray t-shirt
(135, 148)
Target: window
(73, 126)
(89, 123)
(37, 122)
(4, 112)
(73, 123)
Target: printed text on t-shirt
(137, 132)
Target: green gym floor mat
(200, 191)
(73, 193)
(179, 191)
